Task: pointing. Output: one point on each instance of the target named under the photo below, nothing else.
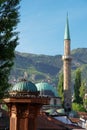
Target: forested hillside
(46, 68)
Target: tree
(78, 107)
(60, 87)
(82, 89)
(77, 86)
(85, 104)
(9, 18)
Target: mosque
(47, 89)
(26, 100)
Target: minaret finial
(67, 34)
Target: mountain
(39, 68)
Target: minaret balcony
(66, 57)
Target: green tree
(82, 89)
(85, 104)
(60, 87)
(77, 107)
(9, 18)
(77, 86)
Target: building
(24, 105)
(67, 69)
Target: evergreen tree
(82, 89)
(9, 18)
(77, 86)
(60, 87)
(82, 93)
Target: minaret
(67, 68)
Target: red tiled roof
(83, 115)
(45, 122)
(71, 126)
(74, 120)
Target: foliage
(77, 107)
(60, 87)
(77, 86)
(4, 106)
(85, 104)
(82, 89)
(9, 18)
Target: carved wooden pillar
(33, 112)
(13, 117)
(23, 116)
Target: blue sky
(42, 24)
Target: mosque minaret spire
(67, 68)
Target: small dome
(25, 86)
(46, 89)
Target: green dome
(25, 86)
(46, 89)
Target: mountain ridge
(40, 67)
